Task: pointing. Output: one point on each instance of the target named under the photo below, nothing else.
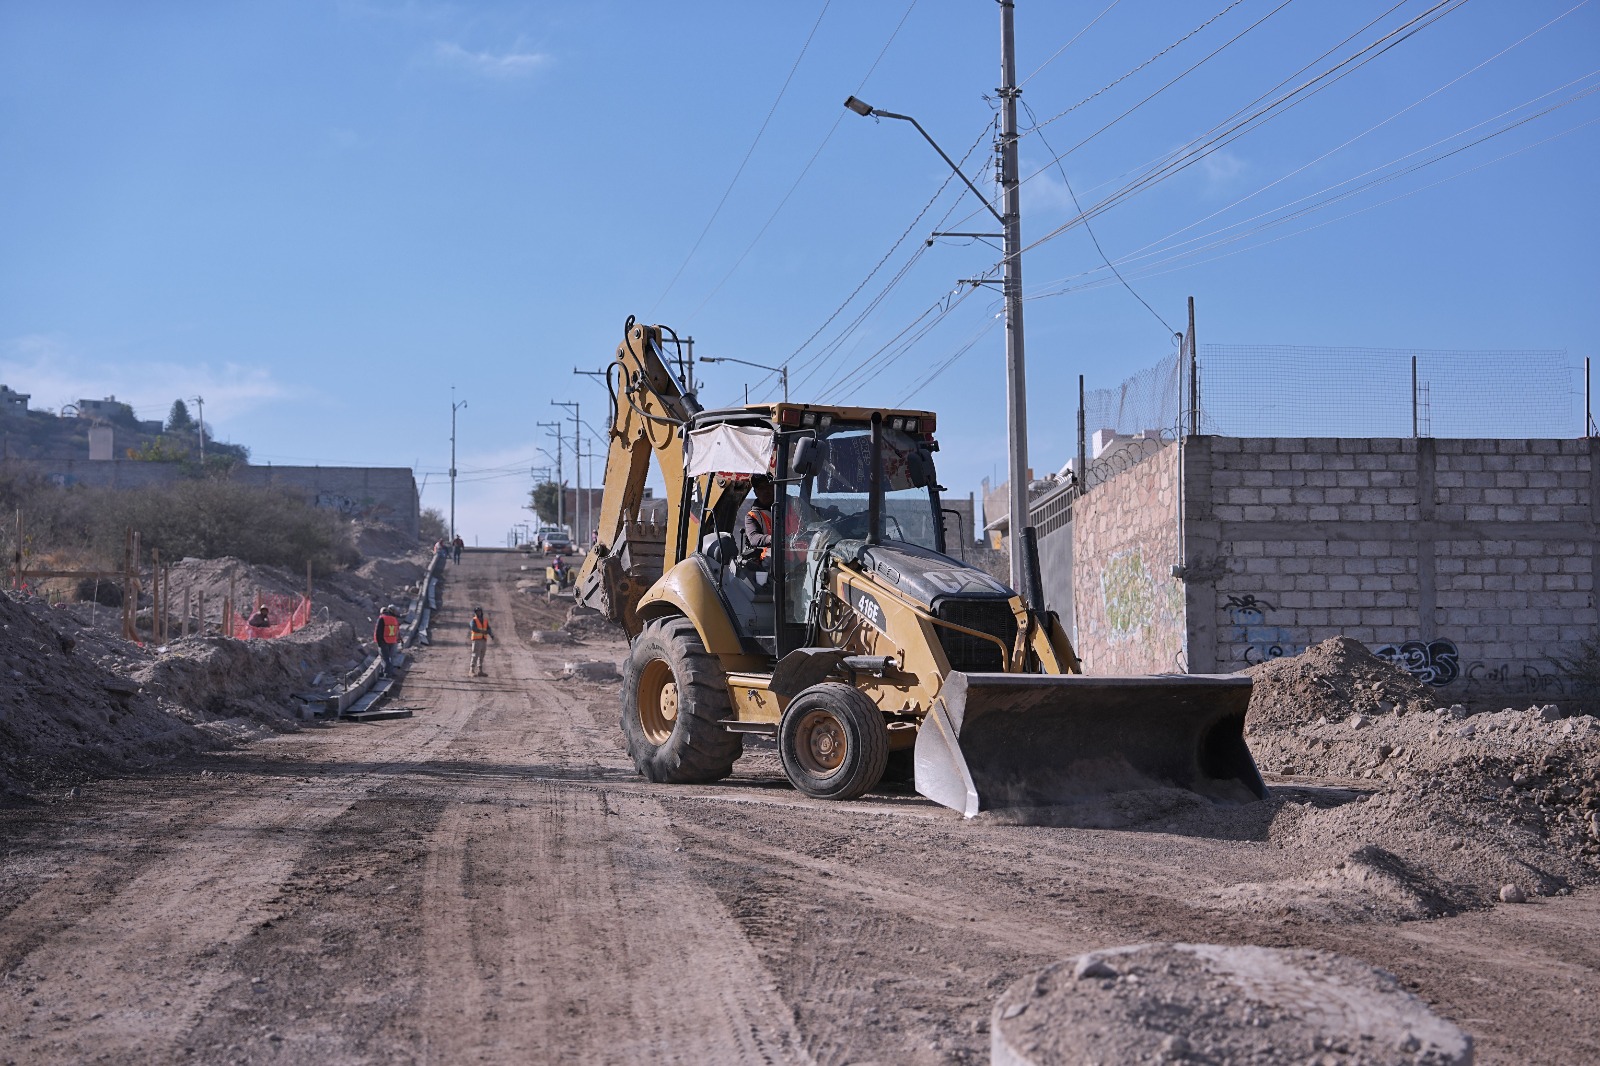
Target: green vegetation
(431, 525)
(179, 420)
(546, 498)
(201, 518)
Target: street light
(1010, 219)
(781, 371)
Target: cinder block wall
(1470, 562)
(1129, 612)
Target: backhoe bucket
(1042, 740)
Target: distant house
(110, 409)
(12, 402)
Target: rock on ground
(1171, 1003)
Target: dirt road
(489, 881)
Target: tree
(431, 525)
(546, 501)
(179, 420)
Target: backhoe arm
(648, 409)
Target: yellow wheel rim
(821, 744)
(658, 701)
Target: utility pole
(200, 402)
(1016, 370)
(1010, 219)
(577, 460)
(561, 486)
(454, 407)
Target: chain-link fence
(1152, 399)
(1296, 391)
(1300, 391)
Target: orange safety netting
(285, 612)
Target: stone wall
(386, 494)
(1470, 562)
(1128, 609)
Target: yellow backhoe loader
(852, 638)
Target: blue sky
(322, 215)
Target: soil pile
(64, 713)
(1331, 680)
(76, 699)
(1440, 811)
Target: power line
(1112, 85)
(743, 162)
(803, 170)
(1148, 270)
(1379, 125)
(1090, 230)
(1074, 40)
(915, 222)
(1209, 143)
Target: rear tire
(833, 742)
(674, 704)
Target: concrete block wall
(1469, 562)
(1128, 609)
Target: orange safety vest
(764, 517)
(391, 628)
(480, 630)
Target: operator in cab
(758, 524)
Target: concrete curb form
(1172, 1003)
(341, 703)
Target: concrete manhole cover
(1199, 1003)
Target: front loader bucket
(1042, 740)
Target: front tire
(833, 742)
(674, 704)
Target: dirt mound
(1205, 1003)
(251, 679)
(350, 596)
(1331, 680)
(63, 714)
(378, 540)
(1438, 810)
(76, 699)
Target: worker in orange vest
(482, 633)
(386, 635)
(758, 524)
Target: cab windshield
(832, 502)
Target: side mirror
(802, 457)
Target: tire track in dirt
(569, 928)
(136, 971)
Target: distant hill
(42, 435)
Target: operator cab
(842, 479)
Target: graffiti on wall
(1436, 662)
(1530, 680)
(1128, 593)
(351, 506)
(1258, 640)
(1133, 600)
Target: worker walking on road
(455, 549)
(386, 635)
(482, 633)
